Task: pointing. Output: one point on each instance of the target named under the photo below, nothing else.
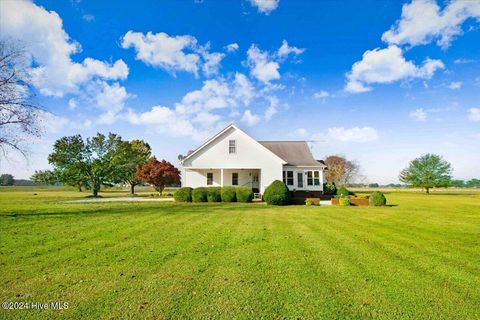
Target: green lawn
(419, 259)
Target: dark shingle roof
(295, 153)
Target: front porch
(220, 177)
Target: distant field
(419, 259)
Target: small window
(255, 178)
(234, 179)
(316, 178)
(232, 146)
(310, 178)
(209, 178)
(289, 178)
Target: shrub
(277, 194)
(329, 189)
(342, 191)
(308, 202)
(344, 201)
(377, 198)
(183, 195)
(214, 194)
(244, 194)
(199, 194)
(229, 194)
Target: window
(316, 178)
(310, 178)
(313, 178)
(289, 178)
(209, 178)
(300, 179)
(234, 179)
(232, 146)
(254, 178)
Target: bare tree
(19, 115)
(340, 170)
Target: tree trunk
(132, 188)
(79, 188)
(95, 188)
(427, 190)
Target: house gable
(215, 152)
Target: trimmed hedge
(329, 189)
(277, 194)
(342, 191)
(229, 194)
(244, 194)
(343, 201)
(377, 198)
(214, 194)
(199, 194)
(183, 195)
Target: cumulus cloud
(50, 47)
(249, 118)
(386, 66)
(265, 6)
(355, 134)
(272, 108)
(423, 21)
(88, 17)
(300, 132)
(232, 47)
(173, 53)
(322, 94)
(262, 67)
(285, 50)
(243, 89)
(418, 115)
(474, 114)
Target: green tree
(6, 180)
(46, 177)
(95, 160)
(427, 171)
(130, 156)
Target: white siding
(249, 155)
(305, 185)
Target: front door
(300, 180)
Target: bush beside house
(277, 194)
(214, 194)
(183, 195)
(229, 194)
(199, 194)
(244, 194)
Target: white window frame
(232, 146)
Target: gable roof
(190, 154)
(295, 153)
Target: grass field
(419, 259)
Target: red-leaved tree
(158, 173)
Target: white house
(233, 158)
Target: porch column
(221, 177)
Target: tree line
(105, 161)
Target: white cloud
(285, 50)
(232, 47)
(88, 17)
(322, 94)
(72, 104)
(299, 133)
(265, 6)
(261, 66)
(173, 53)
(474, 114)
(418, 115)
(423, 21)
(215, 94)
(386, 66)
(55, 74)
(164, 51)
(463, 61)
(249, 118)
(243, 89)
(455, 85)
(272, 108)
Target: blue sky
(378, 82)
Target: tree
(159, 174)
(95, 160)
(6, 180)
(340, 171)
(427, 171)
(131, 155)
(46, 177)
(19, 116)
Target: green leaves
(427, 171)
